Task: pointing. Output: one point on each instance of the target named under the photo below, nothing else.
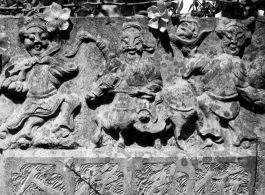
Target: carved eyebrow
(124, 37)
(240, 33)
(139, 37)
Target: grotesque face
(132, 43)
(233, 40)
(36, 40)
(187, 30)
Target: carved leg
(66, 115)
(100, 123)
(120, 143)
(26, 133)
(14, 120)
(210, 129)
(240, 134)
(3, 131)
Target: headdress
(33, 21)
(132, 25)
(225, 23)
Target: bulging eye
(240, 36)
(228, 35)
(31, 37)
(185, 24)
(44, 36)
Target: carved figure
(218, 105)
(135, 81)
(139, 101)
(188, 35)
(38, 75)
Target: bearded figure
(134, 80)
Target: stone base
(43, 172)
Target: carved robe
(219, 77)
(40, 81)
(136, 89)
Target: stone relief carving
(140, 101)
(221, 178)
(189, 35)
(136, 82)
(206, 100)
(208, 178)
(38, 75)
(218, 101)
(38, 178)
(105, 178)
(180, 176)
(219, 104)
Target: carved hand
(84, 35)
(101, 43)
(143, 92)
(90, 97)
(18, 86)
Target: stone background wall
(140, 168)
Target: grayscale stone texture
(112, 107)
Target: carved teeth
(132, 52)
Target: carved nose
(37, 39)
(233, 40)
(131, 48)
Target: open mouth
(38, 47)
(184, 34)
(132, 52)
(233, 47)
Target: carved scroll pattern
(160, 179)
(210, 179)
(222, 179)
(38, 179)
(105, 178)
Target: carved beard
(232, 49)
(132, 57)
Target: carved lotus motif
(159, 16)
(56, 17)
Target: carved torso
(219, 74)
(39, 81)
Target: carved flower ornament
(56, 17)
(159, 16)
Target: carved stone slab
(42, 172)
(110, 106)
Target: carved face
(36, 41)
(132, 43)
(233, 40)
(187, 30)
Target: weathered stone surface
(108, 106)
(37, 172)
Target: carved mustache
(130, 49)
